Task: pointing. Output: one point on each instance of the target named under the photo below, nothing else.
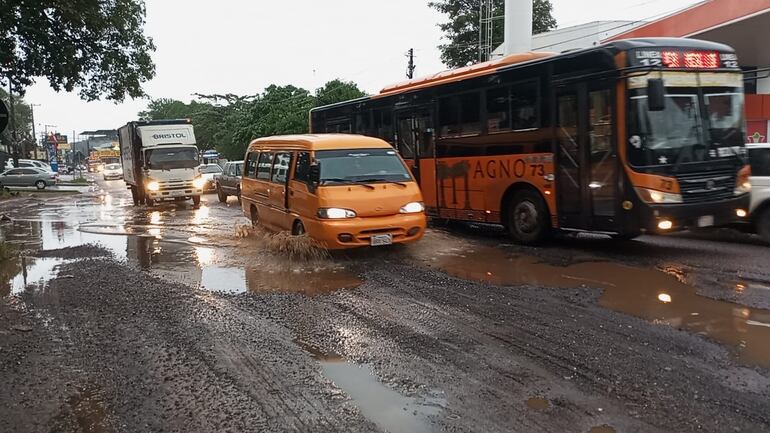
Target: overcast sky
(242, 46)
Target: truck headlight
(334, 213)
(199, 182)
(413, 207)
(153, 186)
(658, 197)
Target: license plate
(706, 221)
(380, 240)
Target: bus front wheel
(763, 224)
(528, 218)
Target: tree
(97, 46)
(462, 29)
(337, 91)
(23, 119)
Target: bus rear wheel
(528, 218)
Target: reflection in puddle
(602, 429)
(389, 410)
(646, 293)
(19, 273)
(280, 279)
(538, 403)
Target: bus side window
(264, 165)
(524, 105)
(250, 167)
(302, 170)
(460, 114)
(498, 109)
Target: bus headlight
(334, 213)
(199, 183)
(743, 181)
(413, 207)
(658, 197)
(153, 186)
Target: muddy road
(123, 319)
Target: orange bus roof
(462, 73)
(321, 142)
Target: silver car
(27, 176)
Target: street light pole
(34, 135)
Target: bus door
(415, 140)
(587, 160)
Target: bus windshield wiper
(385, 180)
(341, 180)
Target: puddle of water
(602, 429)
(309, 282)
(389, 410)
(646, 293)
(538, 403)
(19, 273)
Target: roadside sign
(3, 116)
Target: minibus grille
(708, 186)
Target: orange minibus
(345, 191)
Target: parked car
(229, 182)
(112, 171)
(208, 172)
(27, 176)
(759, 215)
(345, 191)
(29, 163)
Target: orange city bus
(633, 136)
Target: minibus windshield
(361, 165)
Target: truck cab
(759, 157)
(160, 161)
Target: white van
(759, 157)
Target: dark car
(229, 182)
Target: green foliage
(97, 46)
(462, 29)
(229, 122)
(23, 115)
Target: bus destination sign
(684, 59)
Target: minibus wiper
(340, 180)
(385, 180)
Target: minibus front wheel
(298, 229)
(254, 216)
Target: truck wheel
(196, 200)
(221, 194)
(40, 184)
(135, 196)
(763, 224)
(528, 218)
(149, 202)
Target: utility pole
(34, 136)
(14, 143)
(410, 67)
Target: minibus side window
(264, 164)
(281, 167)
(250, 168)
(302, 171)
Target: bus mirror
(656, 94)
(315, 174)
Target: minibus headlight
(199, 182)
(413, 207)
(153, 186)
(334, 213)
(658, 197)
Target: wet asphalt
(123, 319)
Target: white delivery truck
(160, 161)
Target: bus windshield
(361, 165)
(691, 128)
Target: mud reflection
(538, 403)
(646, 293)
(388, 409)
